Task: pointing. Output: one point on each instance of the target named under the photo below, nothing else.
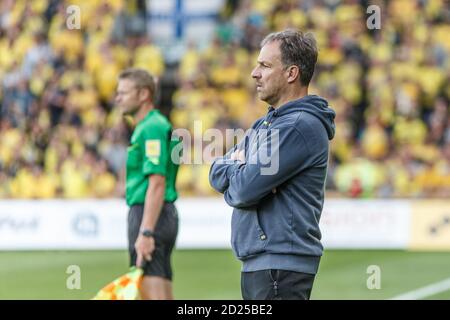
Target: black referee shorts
(166, 231)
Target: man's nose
(255, 73)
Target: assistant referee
(150, 184)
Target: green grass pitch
(215, 274)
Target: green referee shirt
(150, 153)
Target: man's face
(269, 74)
(127, 97)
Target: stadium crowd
(62, 137)
(60, 133)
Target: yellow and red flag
(125, 287)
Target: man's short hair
(297, 49)
(141, 78)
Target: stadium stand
(62, 137)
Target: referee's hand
(144, 248)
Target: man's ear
(293, 73)
(144, 94)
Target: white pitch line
(425, 292)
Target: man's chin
(262, 97)
(128, 112)
(129, 120)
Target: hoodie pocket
(247, 236)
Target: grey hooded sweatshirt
(278, 202)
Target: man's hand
(144, 248)
(238, 155)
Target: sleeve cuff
(150, 171)
(232, 168)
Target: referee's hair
(141, 78)
(297, 49)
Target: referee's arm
(154, 199)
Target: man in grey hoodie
(278, 203)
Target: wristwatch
(147, 233)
